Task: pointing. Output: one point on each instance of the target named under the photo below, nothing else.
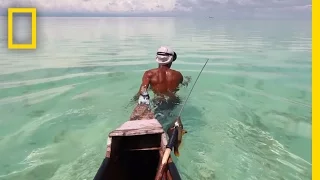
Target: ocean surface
(248, 117)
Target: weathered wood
(145, 149)
(141, 127)
(141, 112)
(142, 133)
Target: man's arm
(144, 85)
(186, 81)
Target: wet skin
(163, 81)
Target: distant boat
(211, 17)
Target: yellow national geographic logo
(33, 12)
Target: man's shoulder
(176, 72)
(171, 71)
(151, 71)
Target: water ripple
(249, 117)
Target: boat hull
(135, 150)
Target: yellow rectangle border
(315, 89)
(33, 12)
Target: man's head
(165, 56)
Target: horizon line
(151, 14)
(155, 15)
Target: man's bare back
(163, 81)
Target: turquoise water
(248, 118)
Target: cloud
(195, 7)
(93, 5)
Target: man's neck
(164, 66)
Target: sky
(295, 9)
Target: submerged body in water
(164, 106)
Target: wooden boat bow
(135, 149)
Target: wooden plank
(141, 127)
(144, 149)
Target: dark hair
(174, 56)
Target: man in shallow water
(164, 81)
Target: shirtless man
(164, 81)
